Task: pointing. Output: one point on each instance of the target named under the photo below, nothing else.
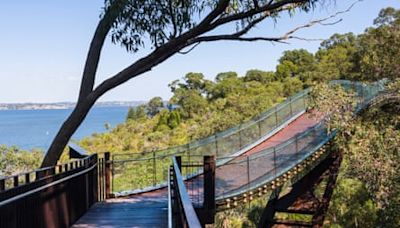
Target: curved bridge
(284, 148)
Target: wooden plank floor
(145, 210)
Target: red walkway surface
(299, 125)
(237, 174)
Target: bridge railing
(181, 212)
(363, 92)
(152, 165)
(52, 197)
(246, 173)
(251, 173)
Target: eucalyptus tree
(379, 52)
(168, 27)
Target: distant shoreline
(64, 105)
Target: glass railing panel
(261, 166)
(228, 144)
(250, 134)
(283, 113)
(209, 148)
(268, 124)
(230, 176)
(298, 105)
(133, 174)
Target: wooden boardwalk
(150, 209)
(144, 210)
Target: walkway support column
(107, 166)
(302, 199)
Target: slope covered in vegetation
(200, 108)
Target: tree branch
(190, 49)
(269, 7)
(289, 35)
(160, 54)
(175, 45)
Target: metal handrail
(181, 199)
(230, 131)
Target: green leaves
(294, 63)
(157, 21)
(14, 160)
(334, 104)
(154, 106)
(136, 113)
(373, 157)
(259, 76)
(379, 47)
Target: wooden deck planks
(137, 211)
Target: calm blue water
(29, 129)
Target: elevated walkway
(149, 209)
(259, 157)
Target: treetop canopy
(161, 21)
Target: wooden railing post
(27, 178)
(16, 181)
(207, 217)
(2, 185)
(95, 182)
(86, 184)
(107, 166)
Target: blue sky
(43, 46)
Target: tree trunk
(66, 131)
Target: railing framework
(153, 165)
(55, 196)
(249, 176)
